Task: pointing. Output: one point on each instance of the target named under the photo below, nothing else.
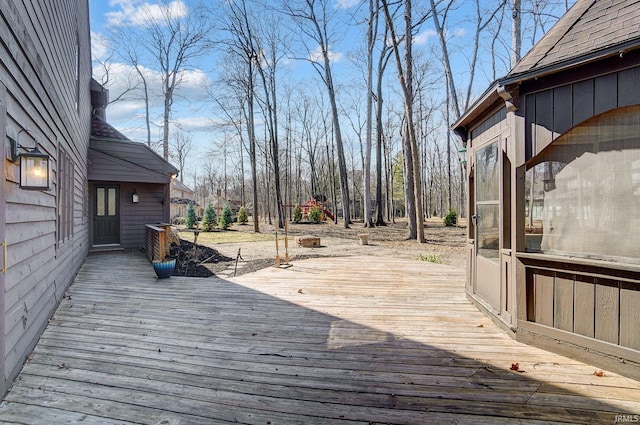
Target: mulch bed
(190, 259)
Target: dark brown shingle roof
(101, 128)
(589, 27)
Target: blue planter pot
(164, 269)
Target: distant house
(181, 197)
(553, 168)
(63, 202)
(220, 199)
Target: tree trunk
(379, 140)
(252, 147)
(371, 39)
(516, 32)
(342, 164)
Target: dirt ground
(445, 245)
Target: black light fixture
(135, 198)
(34, 165)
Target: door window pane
(488, 174)
(112, 201)
(488, 225)
(100, 194)
(488, 202)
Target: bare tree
(269, 41)
(124, 45)
(314, 19)
(168, 41)
(103, 70)
(383, 60)
(180, 149)
(415, 212)
(372, 32)
(241, 45)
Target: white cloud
(316, 55)
(194, 123)
(193, 84)
(346, 4)
(459, 32)
(422, 39)
(99, 46)
(137, 13)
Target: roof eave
(611, 51)
(488, 98)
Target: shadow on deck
(335, 341)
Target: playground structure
(319, 201)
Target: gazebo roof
(590, 30)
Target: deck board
(328, 341)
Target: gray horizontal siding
(135, 153)
(149, 210)
(105, 167)
(37, 74)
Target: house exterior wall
(152, 208)
(45, 71)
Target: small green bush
(451, 219)
(191, 218)
(315, 214)
(297, 214)
(225, 219)
(431, 258)
(210, 219)
(243, 216)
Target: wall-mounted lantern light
(135, 198)
(34, 165)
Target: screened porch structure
(553, 171)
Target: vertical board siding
(544, 119)
(628, 93)
(599, 308)
(582, 101)
(562, 116)
(607, 310)
(563, 302)
(38, 66)
(606, 93)
(584, 310)
(630, 316)
(550, 113)
(543, 292)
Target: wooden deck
(330, 340)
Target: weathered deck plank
(340, 340)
